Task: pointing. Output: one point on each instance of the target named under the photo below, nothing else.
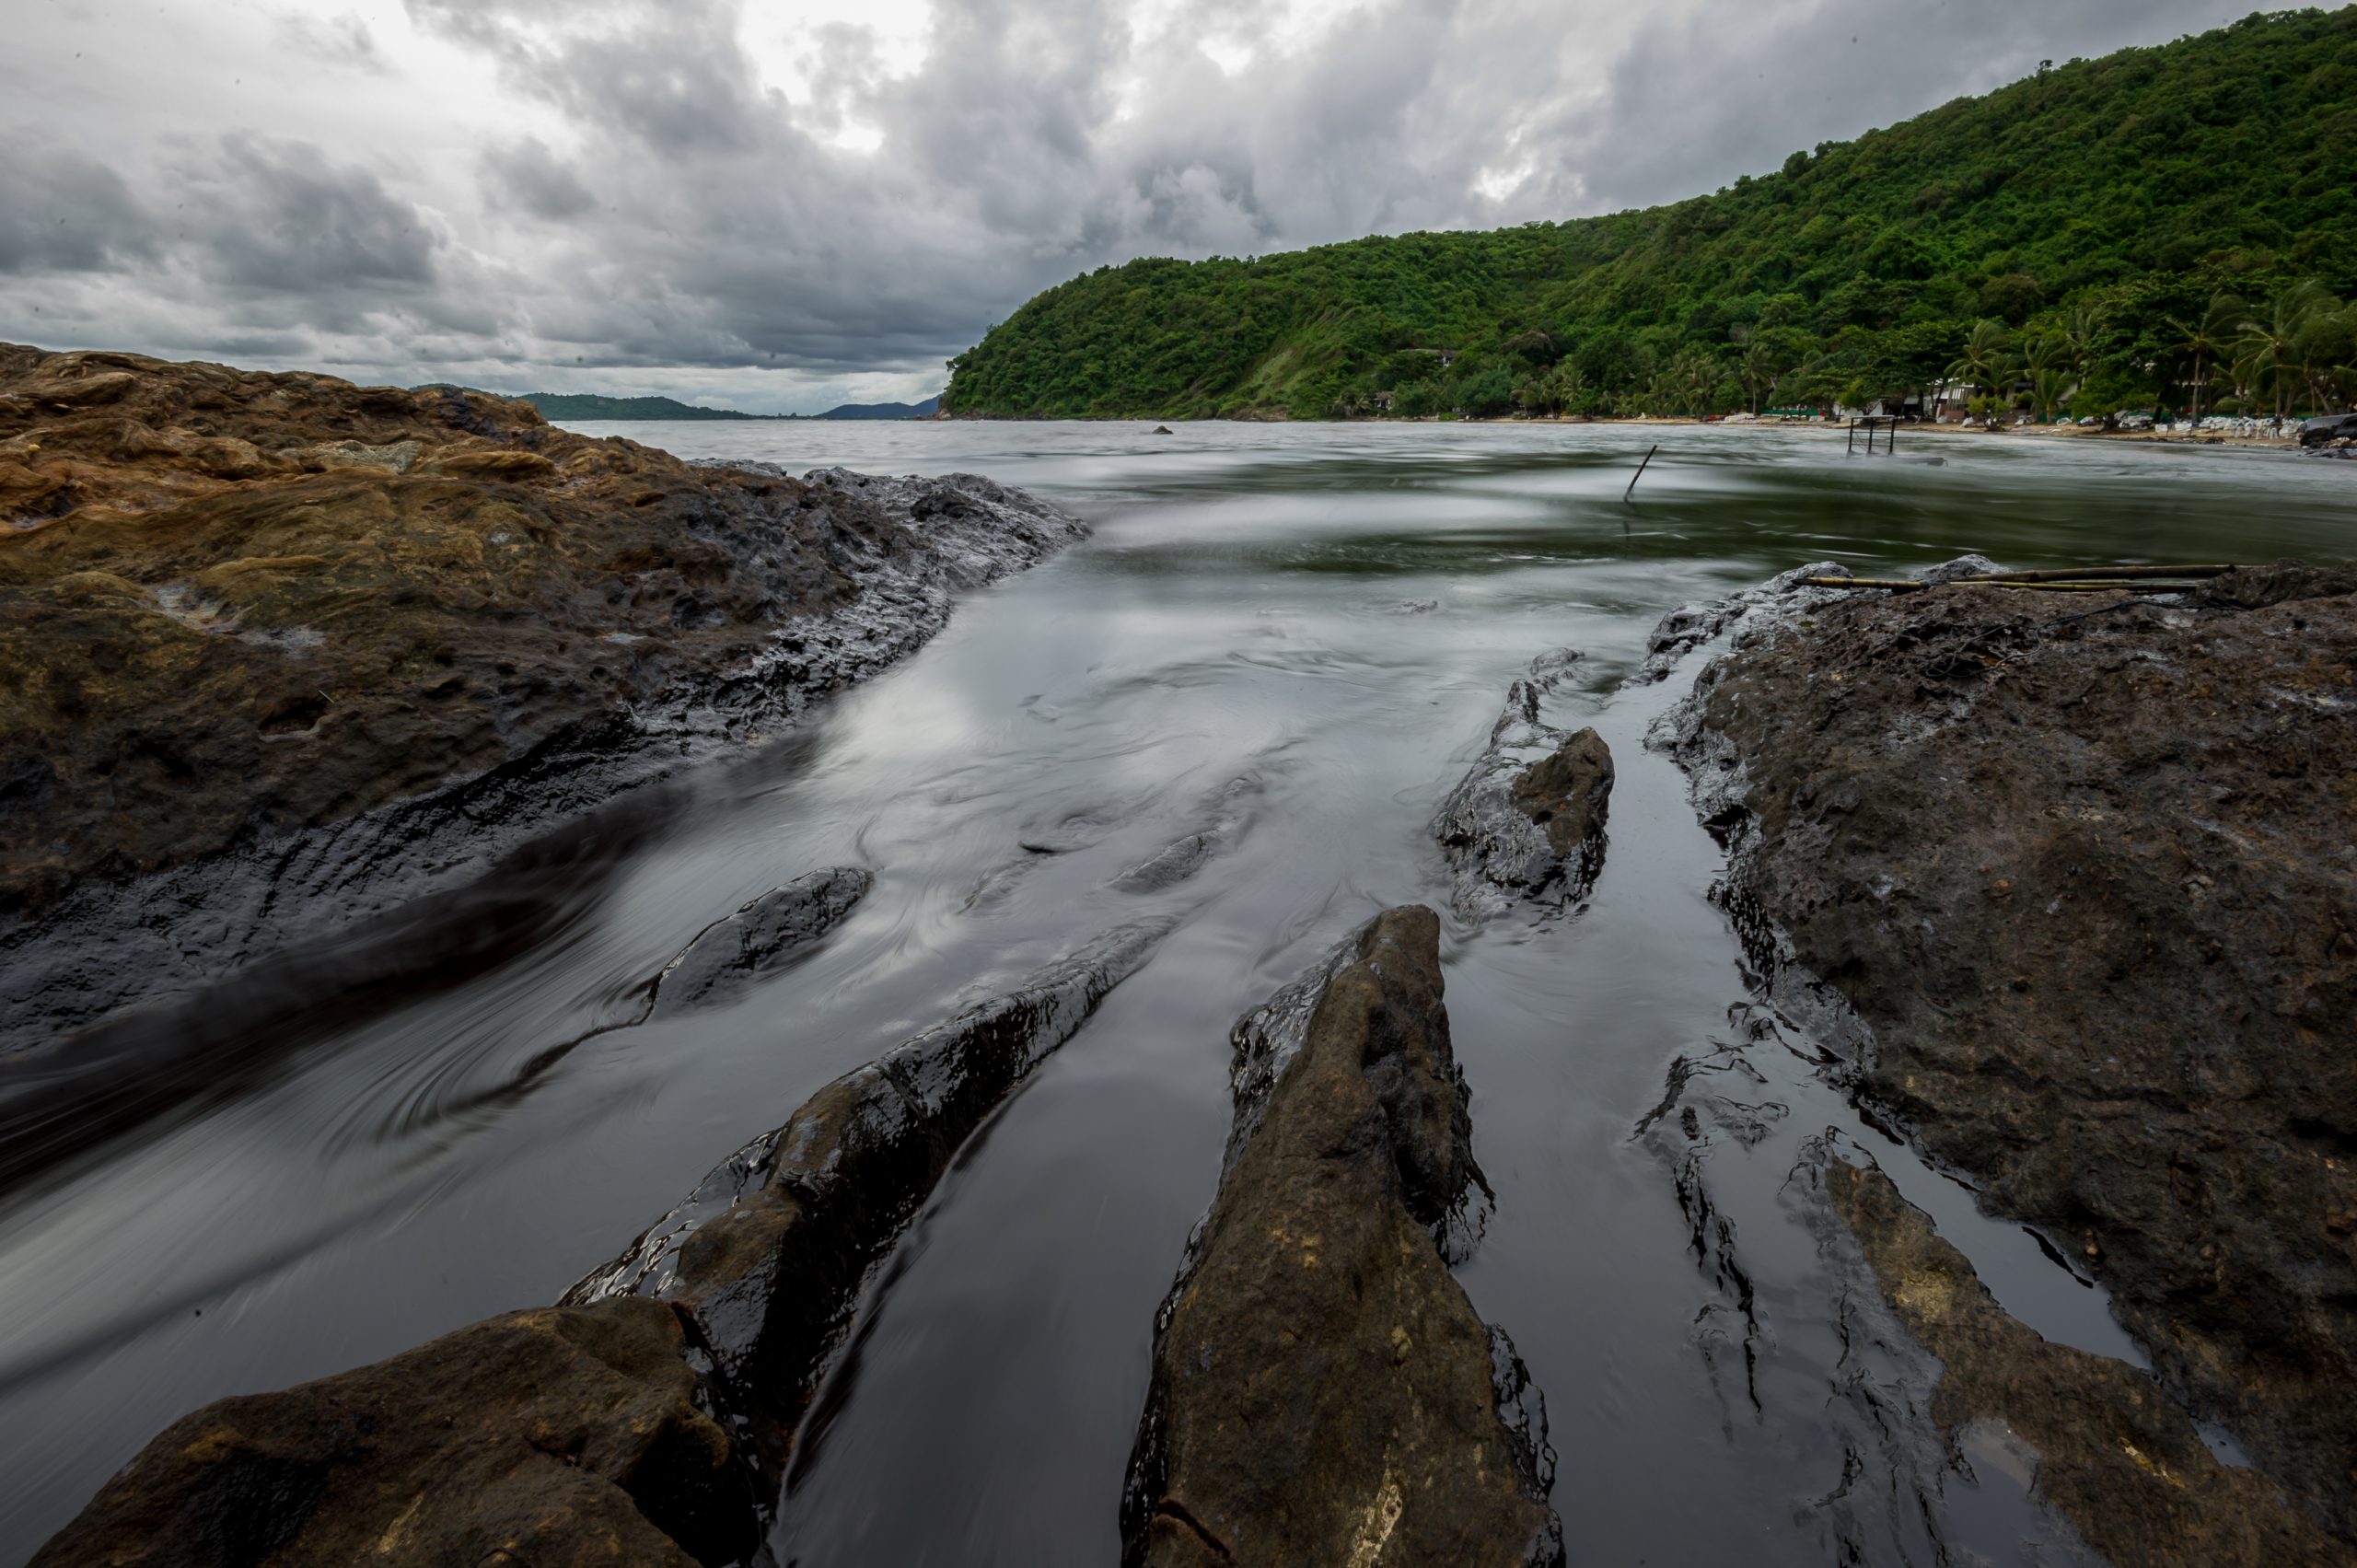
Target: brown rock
(278, 652)
(561, 1438)
(2114, 1454)
(2082, 863)
(1566, 791)
(1322, 1390)
(767, 1255)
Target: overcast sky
(781, 206)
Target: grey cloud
(639, 205)
(341, 41)
(528, 176)
(62, 209)
(262, 214)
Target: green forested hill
(2102, 208)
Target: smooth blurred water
(1332, 613)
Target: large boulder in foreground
(2083, 865)
(2107, 1447)
(1322, 1390)
(561, 1438)
(357, 639)
(1526, 821)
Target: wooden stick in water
(1640, 474)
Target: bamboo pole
(1908, 585)
(2088, 574)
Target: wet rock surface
(766, 1257)
(1224, 816)
(1527, 821)
(2104, 1444)
(278, 652)
(1322, 1390)
(2082, 865)
(648, 1417)
(555, 1437)
(765, 935)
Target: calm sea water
(1333, 613)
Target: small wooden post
(1640, 474)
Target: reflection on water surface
(1331, 615)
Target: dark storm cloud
(255, 214)
(758, 203)
(63, 210)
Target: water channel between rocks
(1331, 615)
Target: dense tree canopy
(2080, 227)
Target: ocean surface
(1333, 615)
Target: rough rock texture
(767, 1255)
(560, 1438)
(1527, 820)
(2113, 1453)
(1322, 1390)
(306, 647)
(2083, 866)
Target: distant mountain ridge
(586, 406)
(882, 411)
(2097, 202)
(597, 405)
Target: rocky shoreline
(285, 656)
(2071, 879)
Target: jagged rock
(1322, 1391)
(1527, 819)
(647, 1417)
(280, 651)
(764, 935)
(767, 1254)
(2080, 868)
(2111, 1452)
(563, 1439)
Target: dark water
(1333, 615)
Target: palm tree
(2048, 387)
(1987, 359)
(2207, 339)
(1567, 385)
(2048, 359)
(1760, 369)
(2270, 350)
(2082, 337)
(2330, 330)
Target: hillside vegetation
(2160, 225)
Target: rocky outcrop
(2081, 864)
(561, 1438)
(766, 1256)
(2102, 1444)
(1322, 1390)
(1527, 821)
(646, 1419)
(283, 651)
(763, 937)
